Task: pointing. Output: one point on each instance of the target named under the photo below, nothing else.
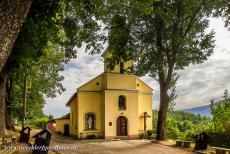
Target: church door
(121, 126)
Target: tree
(222, 9)
(32, 42)
(43, 79)
(46, 40)
(173, 37)
(221, 114)
(37, 58)
(161, 36)
(12, 15)
(51, 117)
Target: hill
(202, 110)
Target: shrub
(143, 135)
(37, 122)
(150, 132)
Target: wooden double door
(122, 126)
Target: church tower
(122, 67)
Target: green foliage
(222, 9)
(184, 125)
(221, 114)
(50, 117)
(149, 134)
(143, 135)
(37, 122)
(47, 39)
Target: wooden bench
(189, 144)
(8, 141)
(219, 150)
(14, 139)
(185, 144)
(179, 143)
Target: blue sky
(196, 86)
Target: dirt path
(113, 147)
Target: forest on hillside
(185, 125)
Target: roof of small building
(67, 116)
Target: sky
(196, 86)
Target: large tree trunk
(162, 115)
(12, 16)
(9, 100)
(3, 78)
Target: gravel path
(113, 147)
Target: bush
(148, 134)
(37, 122)
(143, 135)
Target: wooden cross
(145, 116)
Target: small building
(51, 125)
(62, 124)
(114, 104)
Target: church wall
(89, 102)
(112, 112)
(142, 87)
(121, 81)
(144, 105)
(94, 85)
(60, 125)
(103, 113)
(73, 118)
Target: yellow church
(115, 104)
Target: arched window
(122, 103)
(90, 121)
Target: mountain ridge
(202, 110)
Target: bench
(8, 141)
(188, 144)
(185, 144)
(219, 150)
(179, 143)
(14, 139)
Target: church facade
(112, 105)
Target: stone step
(123, 137)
